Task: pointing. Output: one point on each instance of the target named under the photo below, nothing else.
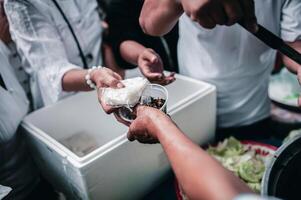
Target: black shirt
(123, 19)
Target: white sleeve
(291, 20)
(40, 44)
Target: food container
(152, 91)
(282, 178)
(85, 154)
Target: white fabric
(253, 197)
(236, 62)
(129, 95)
(16, 168)
(46, 43)
(16, 63)
(4, 191)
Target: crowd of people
(51, 49)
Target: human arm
(158, 17)
(198, 173)
(74, 80)
(148, 61)
(130, 44)
(40, 44)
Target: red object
(260, 148)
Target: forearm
(159, 17)
(74, 80)
(198, 173)
(289, 63)
(130, 51)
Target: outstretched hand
(151, 66)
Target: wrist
(159, 124)
(91, 76)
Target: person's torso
(84, 20)
(233, 60)
(16, 168)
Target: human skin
(200, 176)
(148, 61)
(73, 80)
(158, 17)
(4, 26)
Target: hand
(209, 13)
(151, 67)
(106, 78)
(144, 127)
(4, 27)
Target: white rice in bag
(127, 96)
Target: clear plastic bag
(128, 96)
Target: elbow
(149, 27)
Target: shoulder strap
(81, 53)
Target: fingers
(249, 21)
(219, 16)
(107, 78)
(206, 21)
(150, 55)
(220, 12)
(120, 120)
(108, 109)
(164, 80)
(233, 11)
(111, 81)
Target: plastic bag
(127, 96)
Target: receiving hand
(144, 127)
(209, 13)
(151, 66)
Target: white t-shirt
(237, 62)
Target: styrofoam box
(117, 169)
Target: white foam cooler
(115, 168)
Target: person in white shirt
(17, 169)
(56, 39)
(229, 57)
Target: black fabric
(2, 84)
(123, 19)
(43, 191)
(260, 130)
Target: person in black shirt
(132, 47)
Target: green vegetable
(229, 147)
(256, 187)
(252, 170)
(244, 163)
